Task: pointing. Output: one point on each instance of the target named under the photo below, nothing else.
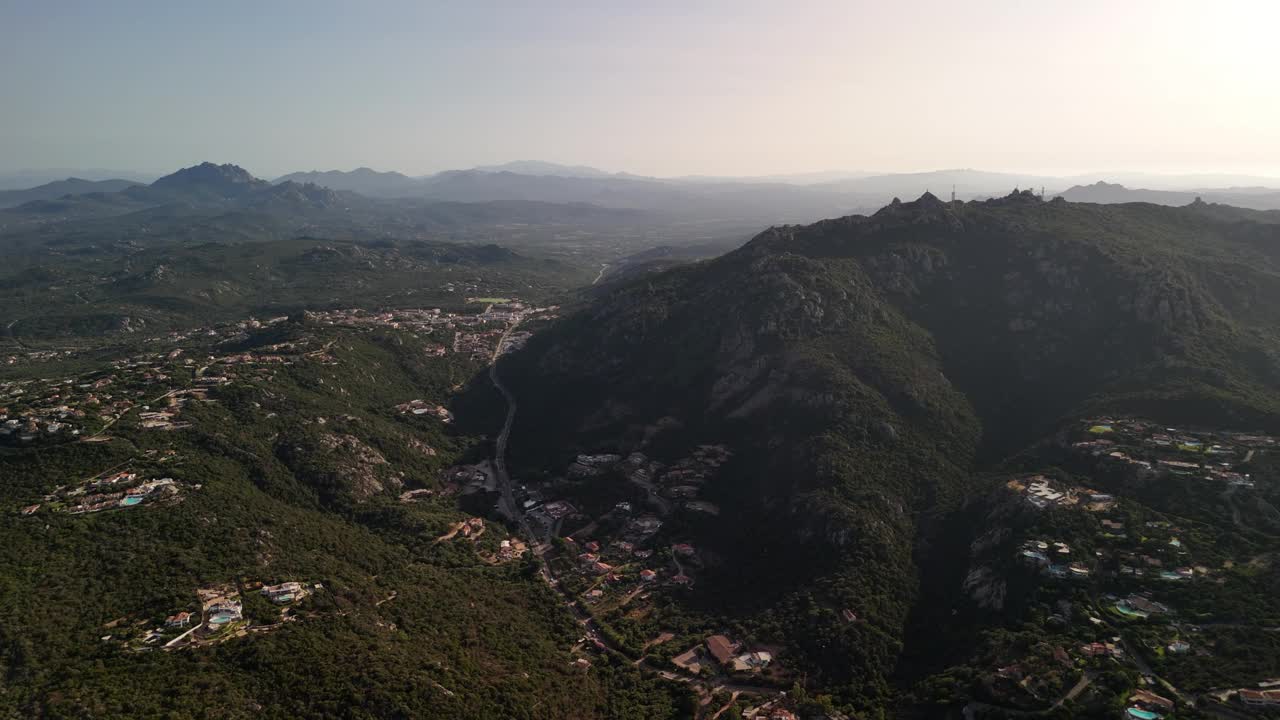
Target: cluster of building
(466, 479)
(480, 344)
(1262, 698)
(108, 492)
(1158, 554)
(1043, 492)
(617, 561)
(81, 407)
(51, 409)
(473, 334)
(37, 356)
(54, 409)
(546, 517)
(1104, 649)
(677, 486)
(1127, 552)
(1137, 606)
(510, 549)
(1154, 450)
(421, 408)
(618, 553)
(719, 651)
(285, 592)
(1146, 705)
(1156, 551)
(1053, 559)
(472, 528)
(222, 609)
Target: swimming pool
(1130, 612)
(131, 500)
(1140, 714)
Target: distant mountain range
(204, 186)
(216, 203)
(789, 197)
(30, 178)
(361, 180)
(694, 199)
(538, 167)
(759, 202)
(1109, 193)
(60, 188)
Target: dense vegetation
(862, 368)
(873, 377)
(403, 626)
(212, 243)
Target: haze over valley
(680, 361)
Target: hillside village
(152, 388)
(624, 554)
(146, 403)
(1124, 584)
(617, 532)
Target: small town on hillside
(1116, 573)
(150, 394)
(152, 388)
(1120, 575)
(1130, 586)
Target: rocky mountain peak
(226, 179)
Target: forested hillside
(862, 369)
(291, 465)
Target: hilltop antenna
(953, 194)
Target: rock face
(226, 180)
(340, 468)
(358, 463)
(985, 588)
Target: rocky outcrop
(359, 465)
(986, 588)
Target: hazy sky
(657, 87)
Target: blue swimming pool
(1140, 714)
(131, 500)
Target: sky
(724, 87)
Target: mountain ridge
(62, 188)
(841, 363)
(1104, 192)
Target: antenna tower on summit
(953, 194)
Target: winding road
(511, 508)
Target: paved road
(512, 509)
(9, 331)
(115, 419)
(1131, 649)
(603, 267)
(675, 558)
(1075, 691)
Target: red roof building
(721, 649)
